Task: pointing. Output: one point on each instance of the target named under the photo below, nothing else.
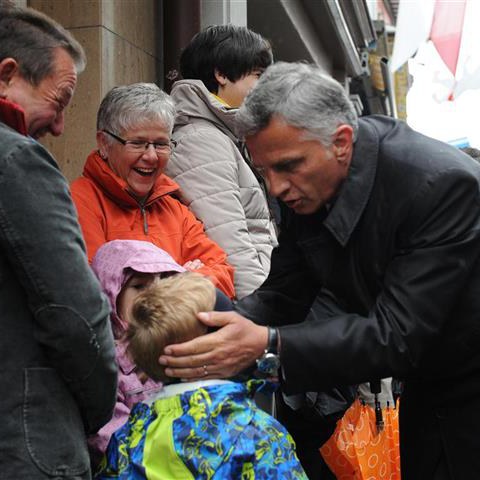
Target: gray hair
(303, 96)
(128, 106)
(31, 38)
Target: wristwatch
(269, 363)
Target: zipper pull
(145, 223)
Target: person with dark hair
(388, 221)
(219, 66)
(221, 55)
(56, 342)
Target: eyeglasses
(139, 146)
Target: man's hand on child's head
(221, 354)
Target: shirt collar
(354, 194)
(221, 100)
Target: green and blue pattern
(212, 433)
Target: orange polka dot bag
(358, 450)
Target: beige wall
(122, 40)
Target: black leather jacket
(400, 250)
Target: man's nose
(58, 124)
(276, 184)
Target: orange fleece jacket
(107, 212)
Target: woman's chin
(139, 194)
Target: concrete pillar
(123, 43)
(221, 12)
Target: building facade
(130, 41)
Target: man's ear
(8, 69)
(343, 143)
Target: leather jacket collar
(355, 191)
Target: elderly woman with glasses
(124, 194)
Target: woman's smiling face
(139, 170)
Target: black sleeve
(289, 290)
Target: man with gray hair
(57, 348)
(386, 219)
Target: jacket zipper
(145, 223)
(142, 210)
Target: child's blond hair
(166, 313)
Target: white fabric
(413, 29)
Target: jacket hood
(114, 262)
(98, 170)
(192, 99)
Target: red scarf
(13, 115)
